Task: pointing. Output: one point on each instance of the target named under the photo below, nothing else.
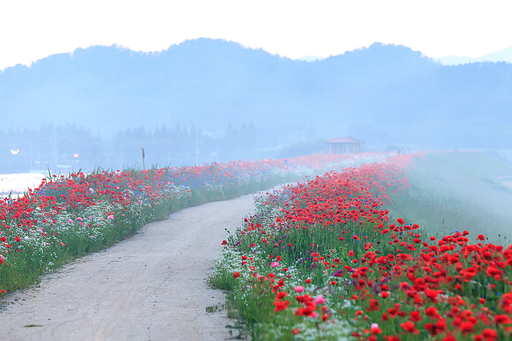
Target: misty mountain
(504, 55)
(382, 94)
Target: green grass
(456, 191)
(449, 192)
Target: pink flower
(70, 221)
(274, 264)
(110, 216)
(319, 300)
(299, 289)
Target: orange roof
(345, 140)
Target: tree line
(66, 147)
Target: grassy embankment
(320, 261)
(456, 191)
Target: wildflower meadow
(69, 216)
(321, 259)
(324, 260)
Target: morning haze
(364, 195)
(210, 100)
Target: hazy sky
(31, 30)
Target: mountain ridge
(504, 55)
(367, 93)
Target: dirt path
(149, 287)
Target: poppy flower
(502, 319)
(431, 312)
(375, 330)
(393, 338)
(404, 286)
(409, 327)
(280, 305)
(415, 316)
(280, 295)
(319, 300)
(467, 327)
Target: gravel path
(152, 286)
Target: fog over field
(210, 100)
(213, 191)
(207, 100)
(457, 191)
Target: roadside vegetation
(455, 191)
(69, 216)
(325, 260)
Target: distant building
(345, 145)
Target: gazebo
(345, 145)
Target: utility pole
(55, 152)
(143, 157)
(197, 142)
(197, 149)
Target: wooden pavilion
(345, 145)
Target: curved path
(151, 286)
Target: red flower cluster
(35, 214)
(447, 288)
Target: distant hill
(310, 58)
(498, 56)
(455, 60)
(382, 94)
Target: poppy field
(69, 216)
(324, 260)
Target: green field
(456, 191)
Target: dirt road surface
(151, 286)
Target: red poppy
(449, 337)
(404, 286)
(502, 319)
(467, 326)
(490, 334)
(280, 295)
(431, 312)
(415, 316)
(375, 330)
(393, 338)
(281, 305)
(409, 327)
